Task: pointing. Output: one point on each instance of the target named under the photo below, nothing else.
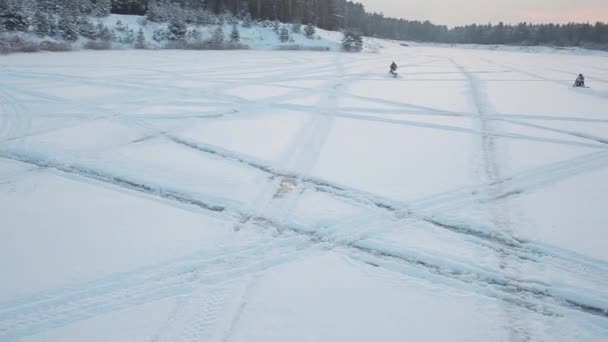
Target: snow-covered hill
(125, 28)
(255, 37)
(300, 196)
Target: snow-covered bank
(122, 32)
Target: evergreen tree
(71, 8)
(12, 16)
(235, 36)
(247, 20)
(284, 34)
(87, 29)
(104, 33)
(195, 35)
(310, 31)
(85, 7)
(68, 24)
(203, 17)
(48, 6)
(231, 19)
(296, 28)
(352, 41)
(217, 39)
(120, 27)
(156, 11)
(102, 8)
(177, 30)
(129, 36)
(42, 24)
(159, 35)
(221, 19)
(140, 41)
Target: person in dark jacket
(580, 81)
(394, 68)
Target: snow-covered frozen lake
(303, 196)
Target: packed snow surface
(303, 196)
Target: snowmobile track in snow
(500, 284)
(515, 185)
(197, 281)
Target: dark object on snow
(394, 69)
(580, 81)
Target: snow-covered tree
(217, 39)
(352, 41)
(221, 19)
(235, 36)
(28, 8)
(140, 41)
(194, 35)
(104, 33)
(49, 6)
(231, 19)
(157, 11)
(68, 22)
(42, 24)
(68, 28)
(296, 28)
(276, 26)
(102, 8)
(12, 17)
(129, 36)
(247, 20)
(203, 17)
(72, 8)
(177, 30)
(87, 29)
(310, 31)
(159, 35)
(85, 7)
(284, 34)
(120, 27)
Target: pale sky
(458, 12)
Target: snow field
(162, 196)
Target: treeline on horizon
(330, 15)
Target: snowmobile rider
(393, 68)
(580, 81)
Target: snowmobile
(393, 70)
(580, 82)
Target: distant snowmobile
(580, 82)
(393, 70)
